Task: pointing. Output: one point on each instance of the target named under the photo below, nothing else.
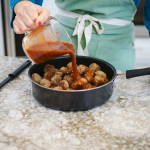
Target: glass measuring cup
(47, 42)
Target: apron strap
(80, 29)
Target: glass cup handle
(51, 17)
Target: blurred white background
(9, 41)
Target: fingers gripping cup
(47, 42)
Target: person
(98, 28)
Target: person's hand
(29, 16)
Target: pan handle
(137, 72)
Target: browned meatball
(84, 80)
(88, 76)
(58, 88)
(101, 74)
(64, 70)
(95, 67)
(36, 77)
(48, 75)
(68, 78)
(64, 84)
(87, 86)
(49, 68)
(55, 80)
(82, 69)
(59, 72)
(69, 65)
(91, 71)
(77, 85)
(45, 82)
(97, 80)
(69, 70)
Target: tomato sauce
(40, 53)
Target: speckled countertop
(122, 123)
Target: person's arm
(147, 15)
(27, 14)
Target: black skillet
(75, 100)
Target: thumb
(43, 15)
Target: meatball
(97, 80)
(48, 75)
(95, 67)
(36, 77)
(101, 74)
(82, 69)
(58, 88)
(84, 80)
(88, 76)
(87, 86)
(69, 65)
(45, 82)
(77, 85)
(49, 68)
(91, 71)
(55, 80)
(68, 78)
(64, 70)
(69, 70)
(64, 84)
(59, 72)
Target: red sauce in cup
(40, 53)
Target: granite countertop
(122, 123)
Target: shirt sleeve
(13, 3)
(147, 15)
